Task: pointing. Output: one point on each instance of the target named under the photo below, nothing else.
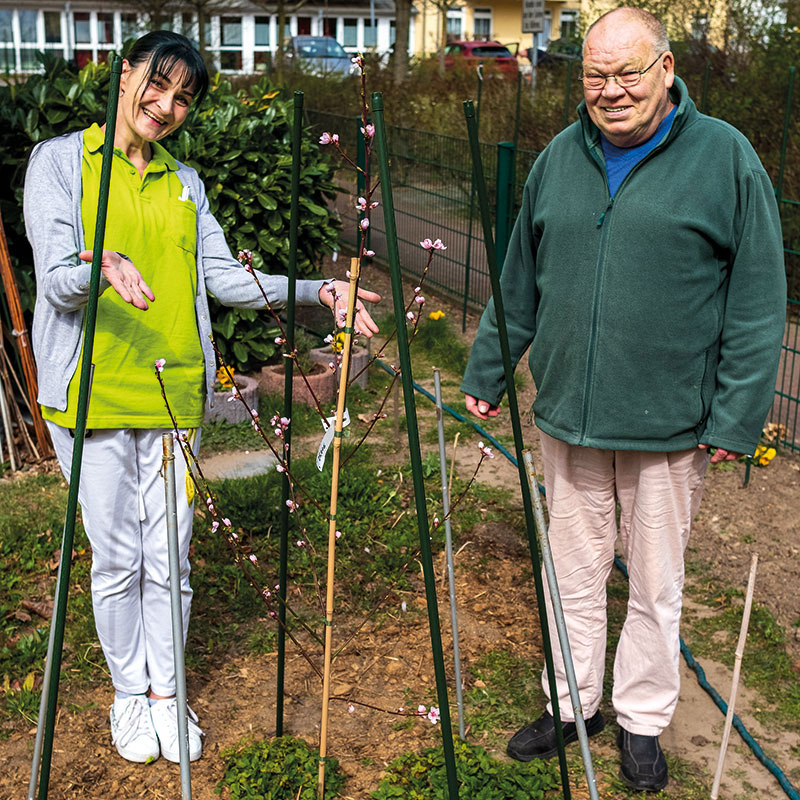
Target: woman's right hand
(124, 278)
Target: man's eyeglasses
(625, 79)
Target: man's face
(626, 117)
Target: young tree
(400, 52)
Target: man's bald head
(650, 23)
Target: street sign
(532, 16)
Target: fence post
(567, 89)
(506, 170)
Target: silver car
(321, 55)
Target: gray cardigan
(52, 207)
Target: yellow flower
(337, 345)
(224, 380)
(764, 455)
(436, 314)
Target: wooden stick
(25, 351)
(337, 445)
(748, 603)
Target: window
(350, 38)
(455, 24)
(700, 26)
(262, 32)
(392, 32)
(105, 28)
(261, 61)
(6, 31)
(82, 32)
(28, 61)
(231, 31)
(569, 24)
(370, 33)
(483, 23)
(304, 26)
(27, 27)
(329, 27)
(52, 27)
(230, 60)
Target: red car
(473, 53)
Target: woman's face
(151, 111)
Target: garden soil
(389, 664)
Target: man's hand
(363, 322)
(480, 408)
(124, 278)
(721, 454)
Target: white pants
(122, 499)
(659, 495)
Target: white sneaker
(132, 729)
(165, 720)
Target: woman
(165, 249)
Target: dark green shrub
(240, 144)
(422, 776)
(285, 768)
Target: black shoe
(642, 765)
(538, 740)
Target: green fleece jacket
(655, 319)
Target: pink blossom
(433, 715)
(351, 708)
(439, 245)
(338, 534)
(214, 526)
(280, 468)
(421, 709)
(160, 363)
(410, 316)
(285, 422)
(329, 138)
(417, 289)
(290, 505)
(374, 204)
(279, 340)
(420, 299)
(267, 593)
(426, 244)
(332, 366)
(226, 522)
(485, 451)
(253, 558)
(436, 522)
(361, 204)
(301, 543)
(364, 224)
(329, 339)
(369, 253)
(369, 131)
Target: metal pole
(468, 257)
(413, 446)
(513, 412)
(561, 628)
(506, 169)
(7, 428)
(60, 613)
(787, 118)
(448, 540)
(176, 609)
(297, 134)
(748, 604)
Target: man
(646, 272)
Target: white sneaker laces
(131, 720)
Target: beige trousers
(659, 495)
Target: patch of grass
(766, 664)
(510, 697)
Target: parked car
(558, 51)
(473, 53)
(320, 55)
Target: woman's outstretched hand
(124, 278)
(363, 321)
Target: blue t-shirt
(621, 160)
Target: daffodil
(434, 315)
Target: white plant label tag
(328, 437)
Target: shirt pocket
(182, 224)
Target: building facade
(242, 36)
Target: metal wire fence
(434, 197)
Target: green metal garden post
(517, 110)
(413, 445)
(62, 588)
(513, 412)
(294, 216)
(704, 95)
(567, 92)
(468, 257)
(506, 167)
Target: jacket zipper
(599, 272)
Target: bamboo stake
(50, 693)
(737, 666)
(513, 412)
(337, 445)
(25, 351)
(414, 448)
(297, 133)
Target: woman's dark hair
(163, 50)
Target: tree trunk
(443, 42)
(402, 33)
